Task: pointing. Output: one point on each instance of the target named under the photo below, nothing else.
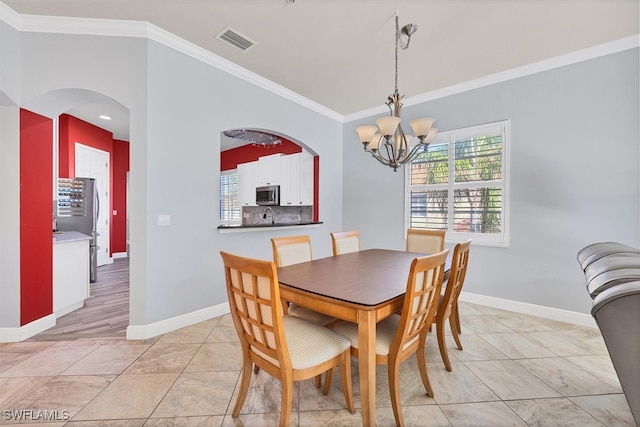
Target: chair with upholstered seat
(293, 250)
(400, 336)
(344, 242)
(447, 308)
(287, 347)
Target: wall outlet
(164, 220)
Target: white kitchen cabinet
(296, 188)
(269, 169)
(70, 272)
(247, 183)
(290, 185)
(306, 179)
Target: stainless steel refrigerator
(77, 209)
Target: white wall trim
(143, 332)
(117, 255)
(514, 73)
(123, 28)
(531, 309)
(25, 332)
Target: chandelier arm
(418, 149)
(378, 158)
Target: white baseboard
(117, 255)
(25, 332)
(68, 309)
(143, 332)
(531, 309)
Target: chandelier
(387, 142)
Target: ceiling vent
(235, 39)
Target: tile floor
(515, 370)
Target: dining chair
(401, 335)
(287, 347)
(426, 241)
(429, 241)
(344, 242)
(448, 305)
(293, 250)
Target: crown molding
(514, 73)
(9, 15)
(123, 28)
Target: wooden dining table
(361, 287)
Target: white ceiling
(339, 53)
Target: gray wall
(9, 176)
(574, 168)
(178, 108)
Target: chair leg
(421, 354)
(328, 379)
(256, 369)
(442, 345)
(286, 401)
(454, 332)
(244, 386)
(393, 368)
(345, 376)
(456, 315)
(318, 380)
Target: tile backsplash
(259, 215)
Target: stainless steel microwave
(268, 195)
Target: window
(229, 205)
(460, 184)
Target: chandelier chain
(397, 42)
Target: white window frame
(483, 239)
(229, 221)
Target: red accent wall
(119, 221)
(229, 159)
(72, 130)
(36, 216)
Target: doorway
(93, 163)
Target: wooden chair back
(448, 307)
(420, 303)
(425, 241)
(254, 301)
(344, 242)
(457, 274)
(291, 250)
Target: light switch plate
(164, 220)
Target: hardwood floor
(105, 313)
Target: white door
(94, 163)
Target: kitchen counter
(263, 227)
(68, 237)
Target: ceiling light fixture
(387, 142)
(104, 117)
